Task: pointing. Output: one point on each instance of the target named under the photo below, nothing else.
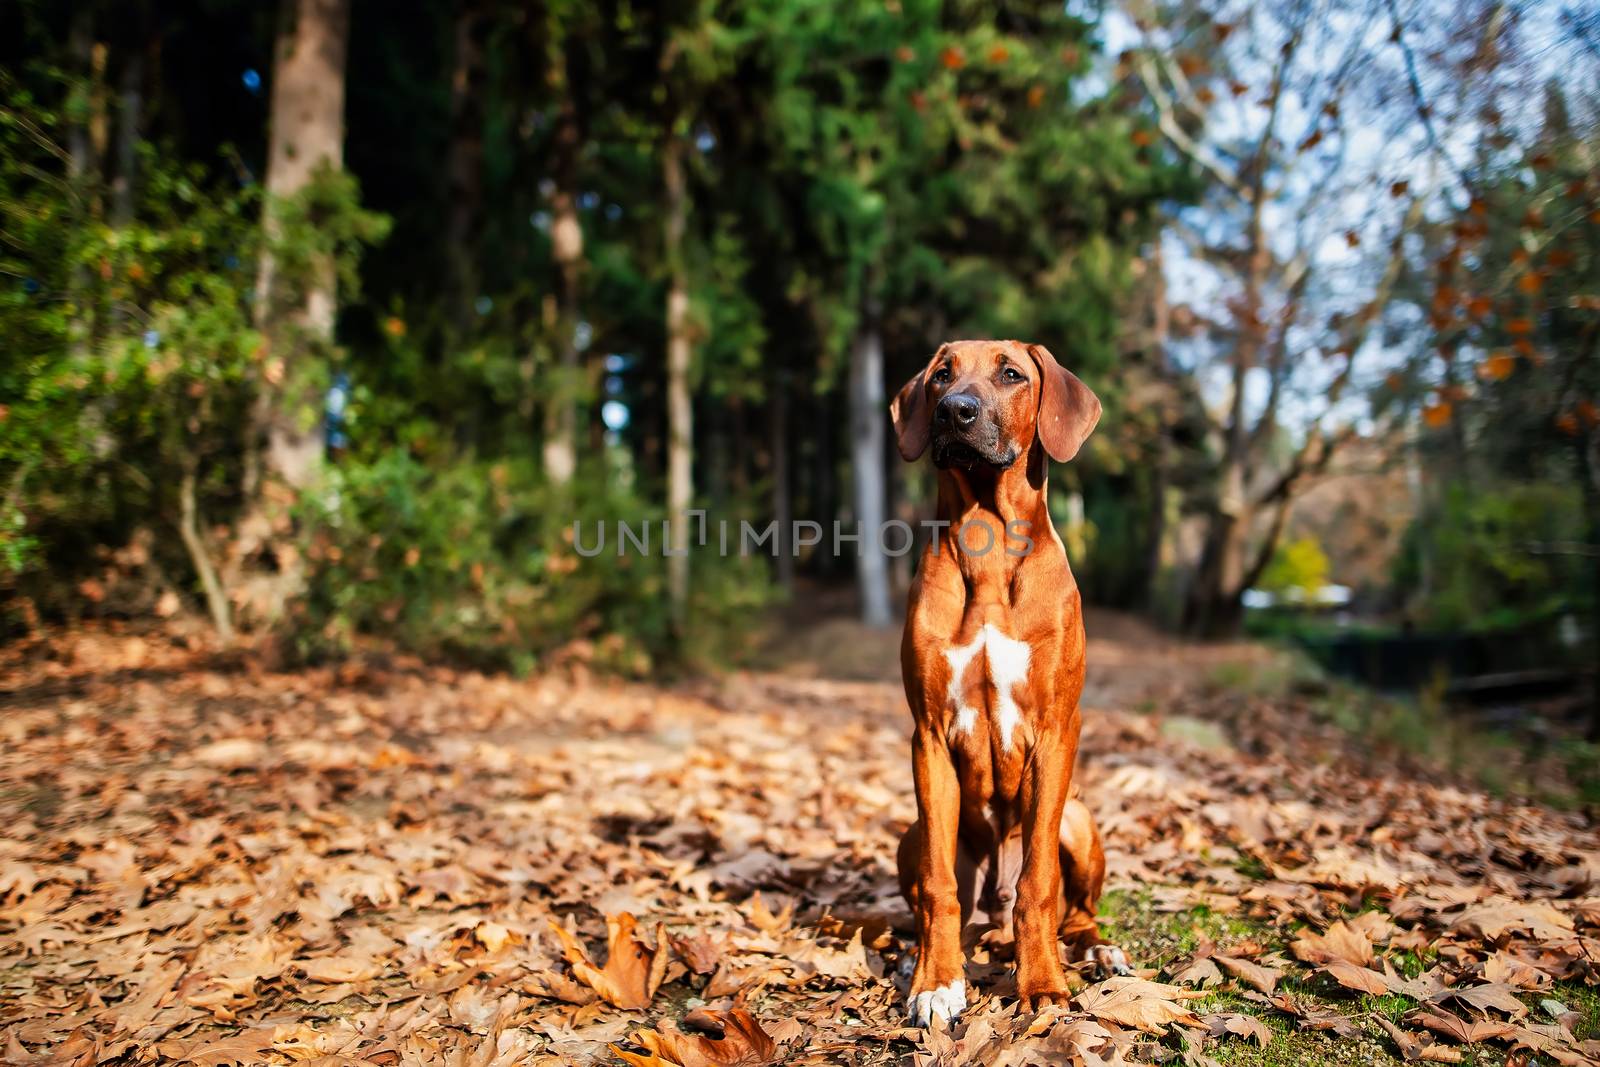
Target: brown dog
(992, 660)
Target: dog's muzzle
(966, 436)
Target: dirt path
(211, 863)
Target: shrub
(474, 560)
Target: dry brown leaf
(699, 951)
(633, 971)
(1147, 1006)
(1358, 978)
(1263, 978)
(1240, 1025)
(1492, 921)
(332, 969)
(1513, 971)
(1413, 1048)
(1458, 1029)
(1491, 996)
(743, 1044)
(1341, 941)
(491, 935)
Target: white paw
(946, 1003)
(1109, 958)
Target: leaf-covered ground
(206, 861)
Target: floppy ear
(911, 415)
(1067, 409)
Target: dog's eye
(1011, 374)
(941, 376)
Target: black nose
(957, 409)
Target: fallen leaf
(1458, 1029)
(1493, 921)
(743, 1044)
(1145, 1005)
(633, 972)
(1263, 978)
(1358, 978)
(1240, 1025)
(1339, 942)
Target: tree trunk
(566, 248)
(81, 169)
(1589, 478)
(867, 414)
(782, 495)
(1155, 524)
(465, 164)
(295, 316)
(130, 120)
(306, 135)
(680, 410)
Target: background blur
(322, 320)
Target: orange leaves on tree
(1530, 282)
(1035, 95)
(999, 54)
(1519, 327)
(1497, 367)
(952, 59)
(1437, 415)
(904, 54)
(1141, 137)
(1587, 413)
(1352, 238)
(743, 1044)
(633, 970)
(1399, 188)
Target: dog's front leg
(1040, 979)
(938, 988)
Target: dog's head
(986, 402)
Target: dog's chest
(987, 689)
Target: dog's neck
(999, 497)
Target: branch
(1423, 111)
(189, 530)
(1168, 121)
(1299, 275)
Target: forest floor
(204, 860)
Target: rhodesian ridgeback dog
(992, 659)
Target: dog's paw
(1041, 999)
(945, 1003)
(1109, 959)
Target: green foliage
(1298, 568)
(129, 345)
(476, 561)
(1474, 562)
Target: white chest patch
(1006, 662)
